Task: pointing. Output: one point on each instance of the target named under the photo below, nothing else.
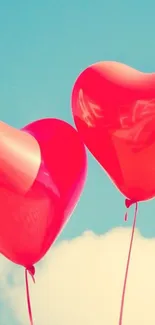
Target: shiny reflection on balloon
(113, 107)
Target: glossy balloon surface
(31, 222)
(114, 111)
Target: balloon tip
(31, 270)
(129, 202)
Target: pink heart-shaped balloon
(40, 185)
(114, 110)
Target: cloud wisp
(80, 282)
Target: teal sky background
(44, 45)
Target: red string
(128, 203)
(31, 271)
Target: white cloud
(80, 282)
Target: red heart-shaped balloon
(32, 219)
(114, 111)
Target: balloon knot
(31, 271)
(129, 202)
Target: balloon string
(31, 271)
(128, 204)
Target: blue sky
(44, 45)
